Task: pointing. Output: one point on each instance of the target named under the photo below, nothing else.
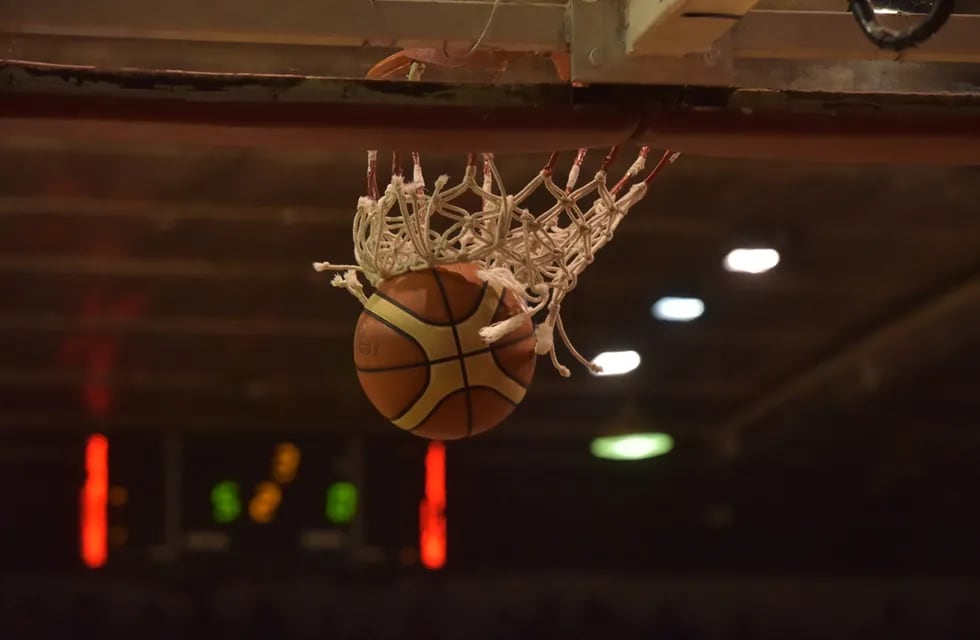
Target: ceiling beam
(777, 36)
(852, 139)
(361, 420)
(832, 34)
(350, 115)
(680, 27)
(517, 26)
(909, 344)
(185, 35)
(202, 380)
(170, 212)
(827, 284)
(285, 214)
(241, 121)
(320, 328)
(13, 326)
(191, 268)
(163, 213)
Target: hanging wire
(885, 38)
(486, 29)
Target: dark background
(824, 413)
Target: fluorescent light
(633, 446)
(616, 363)
(674, 309)
(751, 260)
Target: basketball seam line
(445, 301)
(476, 306)
(467, 391)
(459, 350)
(427, 363)
(493, 352)
(495, 392)
(479, 352)
(425, 357)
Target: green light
(341, 502)
(633, 446)
(226, 506)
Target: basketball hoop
(537, 256)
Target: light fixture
(616, 363)
(626, 435)
(678, 309)
(754, 260)
(632, 446)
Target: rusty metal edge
(322, 113)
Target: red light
(432, 511)
(94, 500)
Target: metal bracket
(597, 33)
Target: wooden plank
(679, 27)
(833, 35)
(762, 52)
(536, 26)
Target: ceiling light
(674, 309)
(616, 363)
(632, 446)
(751, 260)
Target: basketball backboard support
(776, 44)
(777, 78)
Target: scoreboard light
(226, 503)
(341, 504)
(432, 510)
(285, 462)
(94, 503)
(263, 505)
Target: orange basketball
(422, 362)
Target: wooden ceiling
(192, 268)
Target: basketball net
(536, 256)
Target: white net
(537, 256)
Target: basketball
(422, 363)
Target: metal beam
(829, 285)
(202, 380)
(158, 211)
(774, 48)
(679, 27)
(517, 26)
(330, 419)
(254, 114)
(177, 326)
(81, 265)
(90, 209)
(187, 325)
(853, 138)
(924, 336)
(833, 35)
(780, 44)
(346, 115)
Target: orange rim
(395, 64)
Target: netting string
(538, 257)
